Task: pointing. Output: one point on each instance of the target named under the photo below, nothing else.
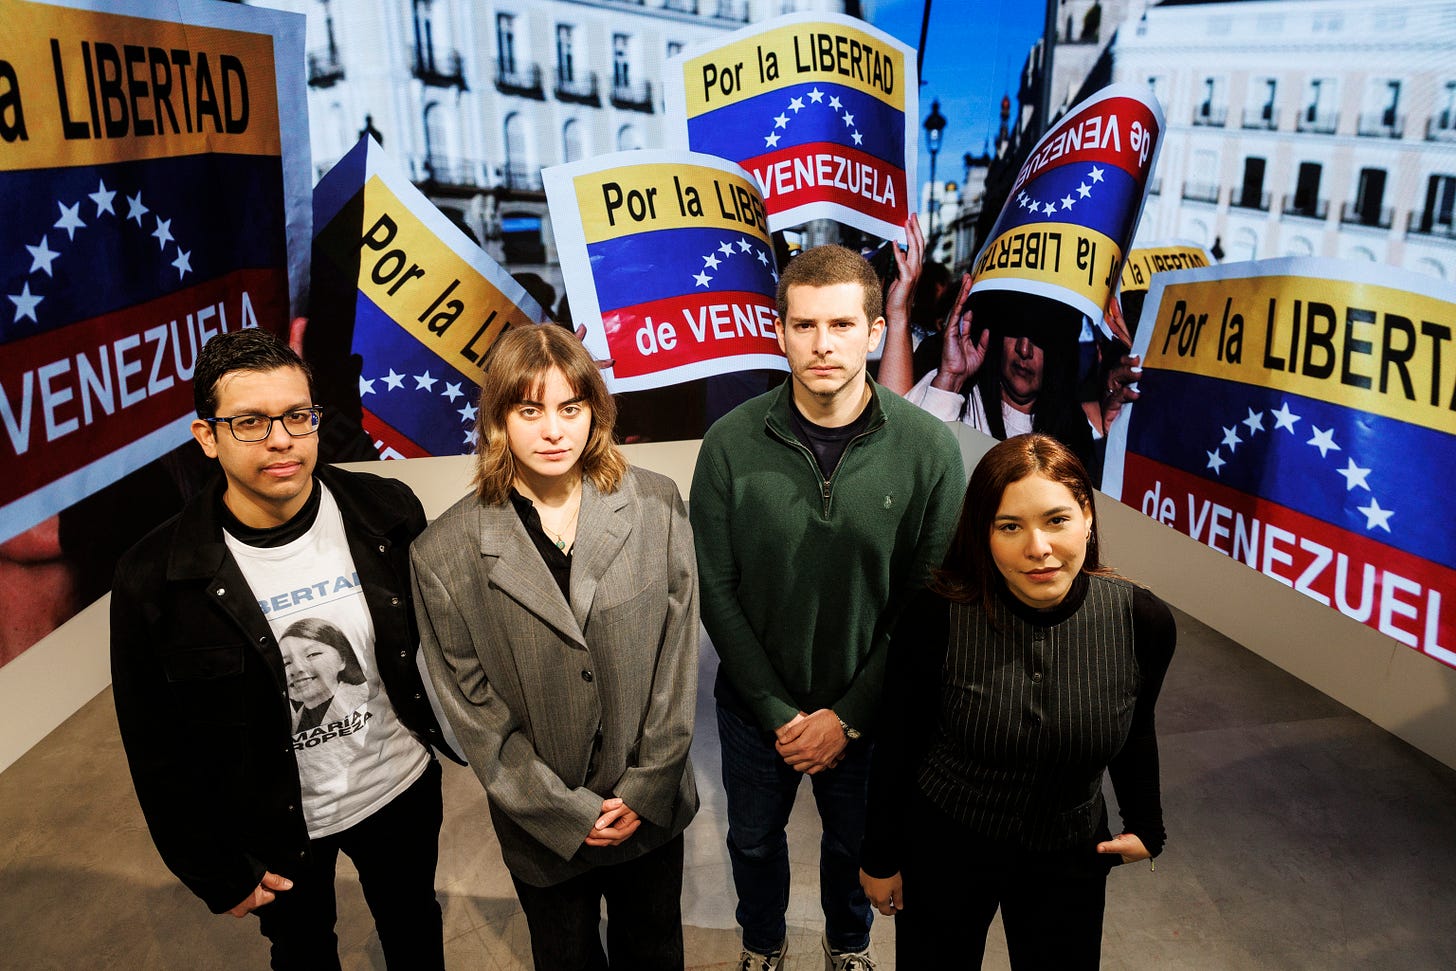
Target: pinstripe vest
(1030, 716)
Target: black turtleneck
(270, 537)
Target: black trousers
(1051, 902)
(644, 915)
(395, 851)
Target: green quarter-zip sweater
(802, 577)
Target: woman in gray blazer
(559, 618)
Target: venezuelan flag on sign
(1290, 419)
(815, 106)
(401, 291)
(668, 261)
(1074, 205)
(136, 227)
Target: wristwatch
(849, 733)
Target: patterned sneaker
(847, 960)
(753, 961)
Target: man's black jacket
(201, 696)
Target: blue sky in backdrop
(974, 51)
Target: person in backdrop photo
(817, 507)
(212, 615)
(1021, 354)
(1025, 671)
(558, 612)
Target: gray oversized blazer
(527, 680)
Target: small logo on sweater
(889, 501)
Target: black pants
(394, 851)
(1051, 903)
(644, 915)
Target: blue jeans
(761, 790)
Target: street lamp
(934, 128)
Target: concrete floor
(1301, 836)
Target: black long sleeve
(909, 707)
(990, 747)
(1134, 770)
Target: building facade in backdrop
(475, 97)
(1303, 127)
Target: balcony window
(505, 42)
(1368, 209)
(1442, 125)
(621, 61)
(565, 53)
(731, 10)
(1212, 111)
(523, 80)
(1251, 194)
(1436, 218)
(1305, 200)
(325, 69)
(1264, 114)
(1200, 192)
(1319, 114)
(1385, 120)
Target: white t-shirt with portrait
(354, 754)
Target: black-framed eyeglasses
(299, 423)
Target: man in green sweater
(816, 509)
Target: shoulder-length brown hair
(969, 574)
(517, 372)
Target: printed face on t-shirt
(312, 669)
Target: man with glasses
(230, 619)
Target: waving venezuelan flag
(416, 302)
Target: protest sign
(1143, 262)
(1074, 206)
(152, 200)
(1299, 415)
(668, 262)
(415, 301)
(816, 107)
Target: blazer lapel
(603, 527)
(514, 566)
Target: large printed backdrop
(152, 200)
(1300, 416)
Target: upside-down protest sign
(668, 262)
(816, 107)
(152, 200)
(1074, 206)
(399, 286)
(1299, 415)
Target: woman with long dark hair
(1023, 672)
